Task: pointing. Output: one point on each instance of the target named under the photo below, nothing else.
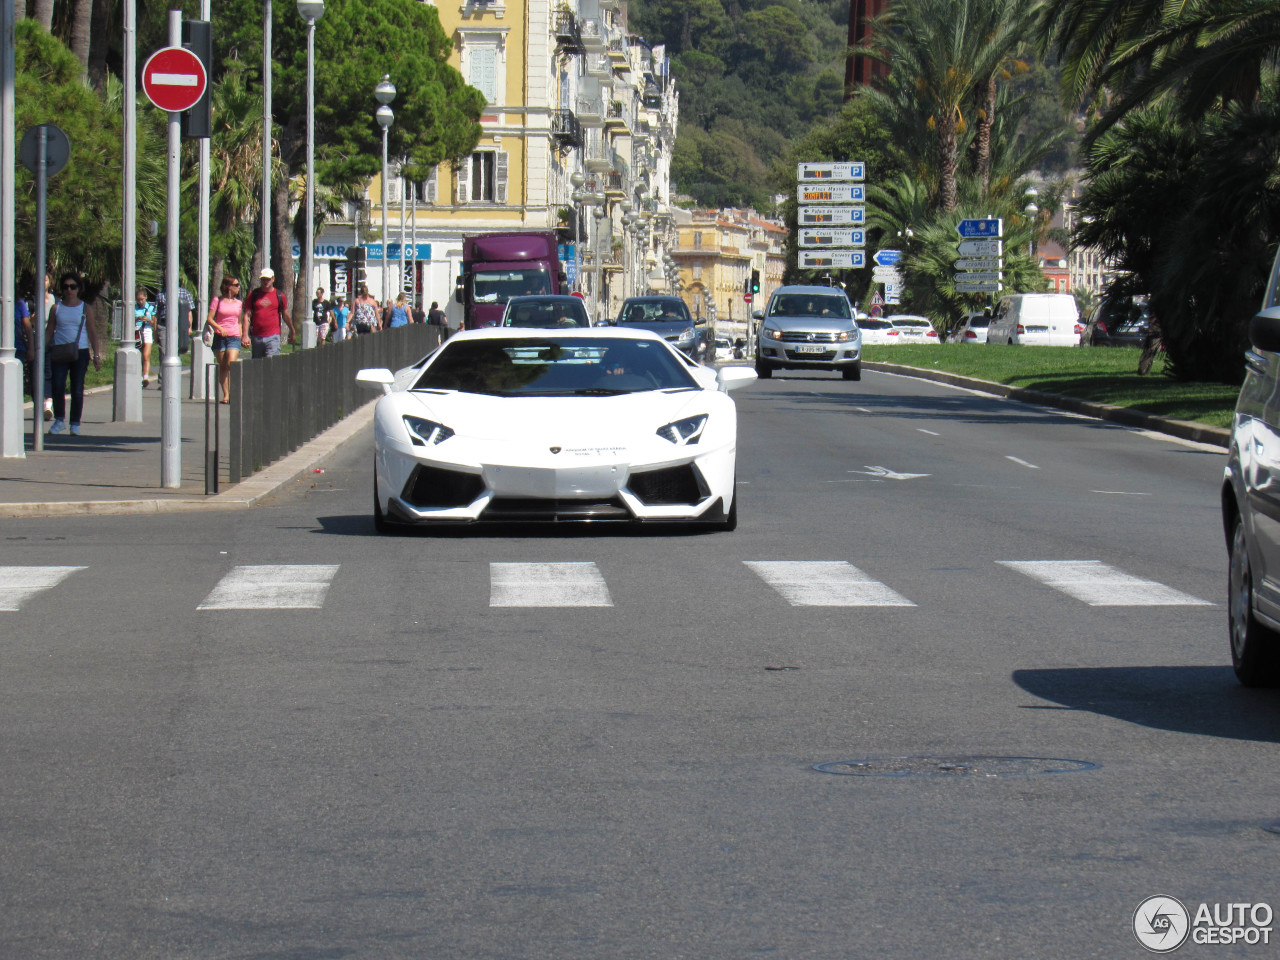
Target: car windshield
(546, 312)
(555, 367)
(910, 322)
(868, 323)
(654, 311)
(499, 286)
(810, 305)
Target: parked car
(1119, 323)
(808, 327)
(1036, 319)
(546, 311)
(972, 328)
(876, 330)
(1250, 506)
(914, 329)
(666, 316)
(518, 425)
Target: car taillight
(1079, 329)
(893, 333)
(1021, 329)
(932, 333)
(970, 335)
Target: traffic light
(355, 271)
(197, 123)
(755, 282)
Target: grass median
(1098, 374)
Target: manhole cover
(983, 767)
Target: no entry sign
(173, 78)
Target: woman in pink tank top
(224, 317)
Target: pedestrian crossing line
(276, 586)
(565, 584)
(1101, 585)
(825, 583)
(19, 584)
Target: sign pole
(171, 366)
(202, 356)
(39, 315)
(127, 386)
(12, 441)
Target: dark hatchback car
(546, 311)
(1119, 323)
(668, 317)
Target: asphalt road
(410, 768)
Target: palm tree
(82, 31)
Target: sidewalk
(114, 468)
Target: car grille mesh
(434, 487)
(788, 336)
(670, 485)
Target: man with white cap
(260, 318)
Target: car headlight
(686, 335)
(426, 433)
(770, 333)
(844, 336)
(684, 432)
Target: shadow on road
(1200, 700)
(361, 525)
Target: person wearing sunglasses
(72, 327)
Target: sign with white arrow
(887, 258)
(991, 229)
(884, 473)
(980, 248)
(832, 237)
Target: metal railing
(282, 402)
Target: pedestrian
(340, 313)
(435, 316)
(73, 326)
(144, 327)
(224, 317)
(23, 344)
(419, 315)
(261, 317)
(321, 310)
(398, 315)
(49, 301)
(186, 320)
(365, 312)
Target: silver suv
(1251, 503)
(808, 328)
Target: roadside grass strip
(825, 583)
(19, 584)
(284, 586)
(1101, 585)
(565, 584)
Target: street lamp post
(588, 201)
(384, 93)
(311, 11)
(265, 243)
(1032, 212)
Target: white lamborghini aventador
(510, 424)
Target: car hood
(560, 420)
(667, 329)
(816, 324)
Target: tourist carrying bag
(68, 352)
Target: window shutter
(462, 174)
(432, 186)
(500, 177)
(393, 189)
(484, 71)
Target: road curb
(1182, 429)
(243, 495)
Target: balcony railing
(568, 34)
(565, 128)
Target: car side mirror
(1264, 330)
(757, 314)
(376, 378)
(731, 378)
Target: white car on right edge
(1036, 319)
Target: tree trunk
(282, 248)
(19, 10)
(947, 162)
(105, 26)
(42, 13)
(82, 31)
(984, 135)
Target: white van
(1036, 319)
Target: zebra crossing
(583, 584)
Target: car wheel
(853, 373)
(380, 521)
(1255, 648)
(730, 522)
(763, 370)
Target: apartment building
(573, 96)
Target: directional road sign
(887, 258)
(980, 248)
(838, 259)
(983, 229)
(977, 287)
(985, 263)
(979, 276)
(832, 215)
(886, 275)
(808, 172)
(832, 237)
(831, 193)
(173, 78)
(57, 149)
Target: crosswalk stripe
(1101, 585)
(825, 583)
(277, 586)
(19, 584)
(567, 584)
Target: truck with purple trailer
(499, 266)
